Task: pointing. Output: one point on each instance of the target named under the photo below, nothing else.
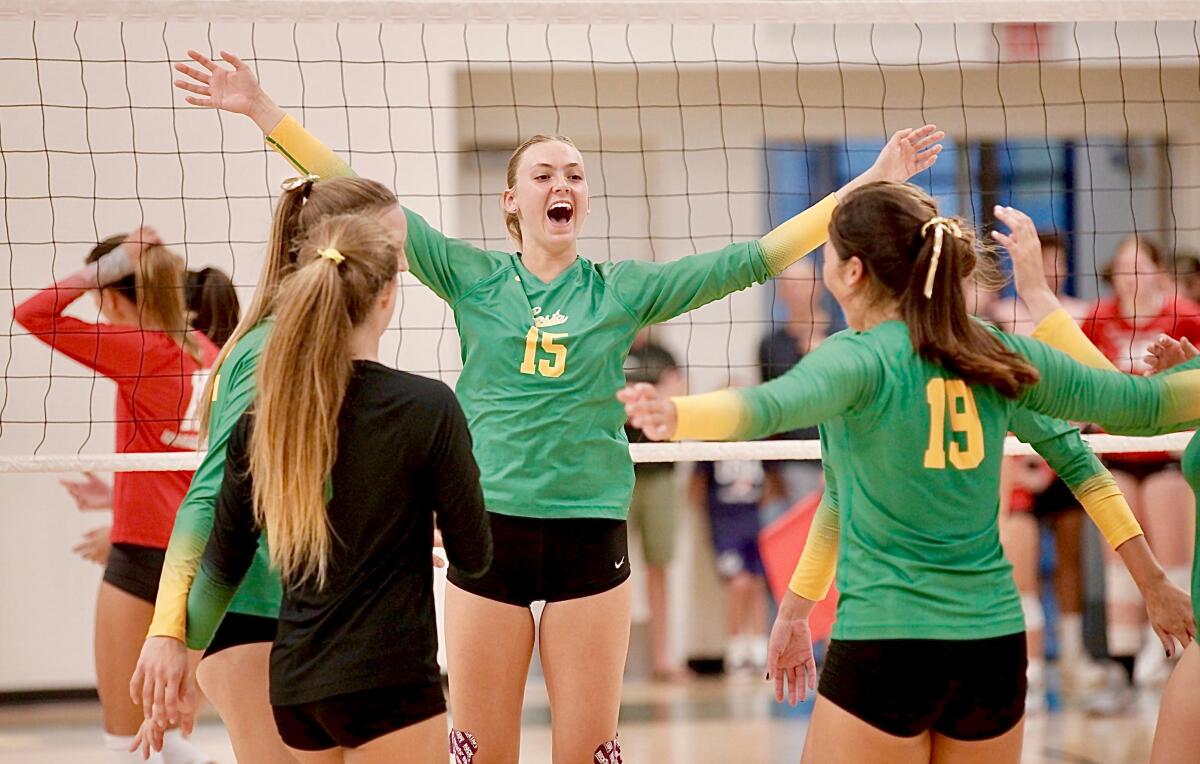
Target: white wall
(657, 139)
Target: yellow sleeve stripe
(1106, 505)
(1183, 397)
(170, 606)
(798, 236)
(711, 416)
(1059, 330)
(818, 563)
(304, 151)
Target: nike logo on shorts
(617, 565)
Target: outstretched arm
(836, 377)
(656, 292)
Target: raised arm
(841, 374)
(107, 348)
(656, 292)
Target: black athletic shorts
(551, 560)
(1055, 499)
(357, 718)
(135, 569)
(241, 629)
(966, 690)
(1140, 469)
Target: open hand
(1165, 353)
(907, 153)
(649, 410)
(89, 493)
(790, 659)
(95, 546)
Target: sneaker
(737, 659)
(1114, 701)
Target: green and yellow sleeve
(838, 376)
(818, 562)
(1060, 444)
(233, 393)
(305, 152)
(447, 266)
(1121, 403)
(655, 292)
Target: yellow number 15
(953, 394)
(547, 368)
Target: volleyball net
(700, 123)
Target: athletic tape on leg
(463, 746)
(608, 752)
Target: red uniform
(158, 390)
(1124, 341)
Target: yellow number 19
(554, 368)
(964, 418)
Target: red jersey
(1124, 341)
(158, 389)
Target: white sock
(1036, 674)
(119, 753)
(1070, 638)
(177, 749)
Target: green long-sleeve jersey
(260, 592)
(916, 457)
(542, 362)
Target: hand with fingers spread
(649, 410)
(89, 493)
(1170, 611)
(1166, 353)
(95, 546)
(159, 681)
(1029, 274)
(235, 90)
(906, 153)
(790, 653)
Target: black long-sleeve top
(404, 454)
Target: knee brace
(608, 752)
(463, 746)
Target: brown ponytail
(302, 380)
(881, 224)
(299, 208)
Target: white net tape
(641, 452)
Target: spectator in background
(733, 493)
(1143, 306)
(1187, 274)
(799, 288)
(653, 508)
(1038, 497)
